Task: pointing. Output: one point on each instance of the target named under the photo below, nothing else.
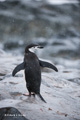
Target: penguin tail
(41, 98)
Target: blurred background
(53, 24)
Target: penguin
(32, 70)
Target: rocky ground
(61, 91)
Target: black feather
(41, 98)
(49, 65)
(18, 68)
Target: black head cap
(32, 45)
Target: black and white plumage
(32, 70)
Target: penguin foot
(27, 94)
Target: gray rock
(61, 91)
(10, 113)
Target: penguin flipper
(49, 65)
(18, 68)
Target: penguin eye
(35, 47)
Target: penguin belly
(33, 77)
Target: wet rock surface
(61, 91)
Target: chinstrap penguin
(32, 70)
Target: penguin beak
(40, 47)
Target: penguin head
(32, 47)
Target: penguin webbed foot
(29, 94)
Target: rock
(6, 64)
(61, 91)
(10, 113)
